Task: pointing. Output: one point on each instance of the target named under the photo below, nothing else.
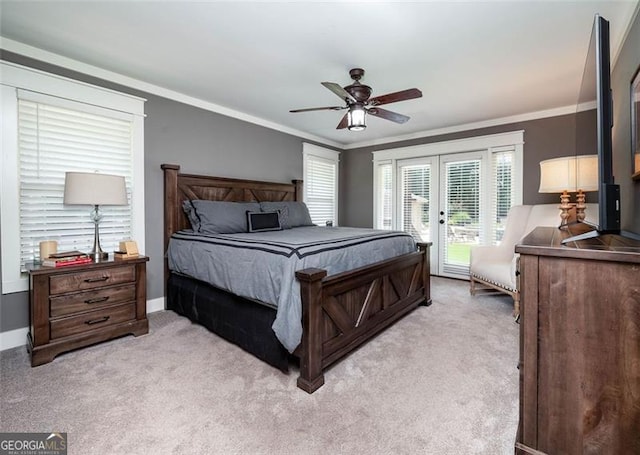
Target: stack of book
(66, 258)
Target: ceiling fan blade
(327, 108)
(388, 115)
(343, 123)
(402, 95)
(338, 90)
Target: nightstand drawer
(91, 300)
(92, 321)
(69, 282)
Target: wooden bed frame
(340, 312)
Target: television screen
(594, 119)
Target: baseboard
(13, 338)
(155, 305)
(18, 337)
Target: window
(383, 184)
(52, 125)
(504, 193)
(320, 170)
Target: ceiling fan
(358, 101)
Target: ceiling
(477, 63)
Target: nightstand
(74, 306)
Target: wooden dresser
(579, 345)
(75, 306)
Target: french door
(439, 200)
(455, 194)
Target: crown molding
(466, 127)
(75, 65)
(90, 70)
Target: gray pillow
(220, 217)
(292, 214)
(190, 211)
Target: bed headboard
(179, 187)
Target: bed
(339, 311)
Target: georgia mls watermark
(33, 443)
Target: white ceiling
(477, 63)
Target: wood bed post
(311, 377)
(425, 248)
(299, 196)
(170, 210)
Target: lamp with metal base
(86, 188)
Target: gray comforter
(262, 265)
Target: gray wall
(201, 142)
(627, 64)
(543, 139)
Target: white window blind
(463, 192)
(504, 192)
(415, 181)
(53, 140)
(384, 197)
(321, 184)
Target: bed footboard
(342, 311)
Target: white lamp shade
(569, 173)
(87, 188)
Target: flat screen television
(594, 120)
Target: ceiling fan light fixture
(356, 117)
(358, 101)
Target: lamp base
(96, 252)
(98, 256)
(564, 209)
(580, 206)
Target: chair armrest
(497, 253)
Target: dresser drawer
(92, 321)
(80, 302)
(70, 282)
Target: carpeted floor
(443, 380)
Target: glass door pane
(415, 184)
(417, 201)
(460, 204)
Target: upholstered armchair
(493, 268)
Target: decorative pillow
(283, 215)
(292, 214)
(190, 211)
(220, 217)
(263, 221)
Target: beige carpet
(441, 381)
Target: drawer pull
(97, 321)
(96, 280)
(97, 300)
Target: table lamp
(92, 188)
(575, 174)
